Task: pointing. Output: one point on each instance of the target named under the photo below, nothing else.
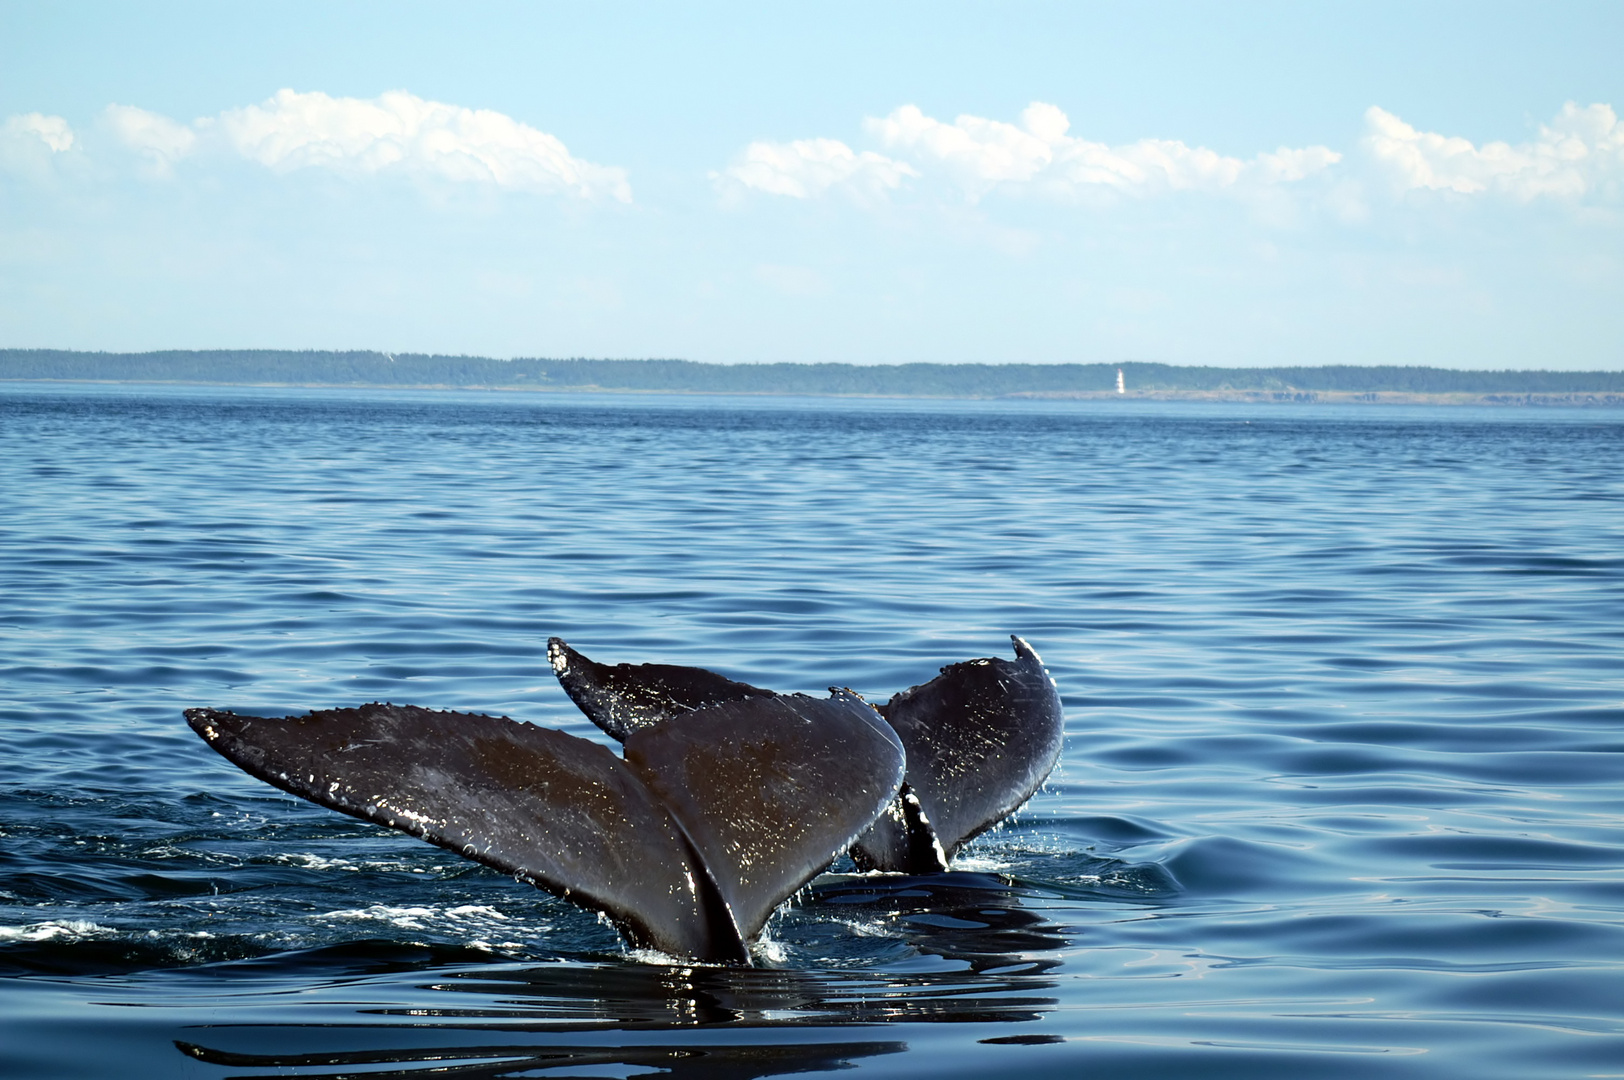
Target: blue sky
(1189, 183)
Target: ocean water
(1341, 794)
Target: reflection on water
(729, 1061)
(973, 919)
(996, 957)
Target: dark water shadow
(954, 948)
(973, 919)
(728, 1062)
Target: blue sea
(1342, 792)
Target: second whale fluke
(981, 738)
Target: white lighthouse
(1121, 386)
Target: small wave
(66, 930)
(981, 862)
(656, 958)
(309, 861)
(415, 918)
(478, 925)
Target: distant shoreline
(1328, 385)
(1256, 397)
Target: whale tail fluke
(726, 799)
(981, 738)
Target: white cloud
(36, 129)
(33, 143)
(400, 131)
(156, 137)
(984, 154)
(395, 132)
(983, 151)
(809, 167)
(1581, 149)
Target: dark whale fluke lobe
(770, 791)
(687, 845)
(626, 697)
(981, 738)
(560, 812)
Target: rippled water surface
(1341, 793)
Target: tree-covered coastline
(354, 368)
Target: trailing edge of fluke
(726, 799)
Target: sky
(1188, 183)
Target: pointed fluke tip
(558, 655)
(202, 722)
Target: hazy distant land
(1142, 381)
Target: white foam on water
(876, 927)
(66, 930)
(656, 958)
(980, 862)
(480, 921)
(769, 950)
(311, 861)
